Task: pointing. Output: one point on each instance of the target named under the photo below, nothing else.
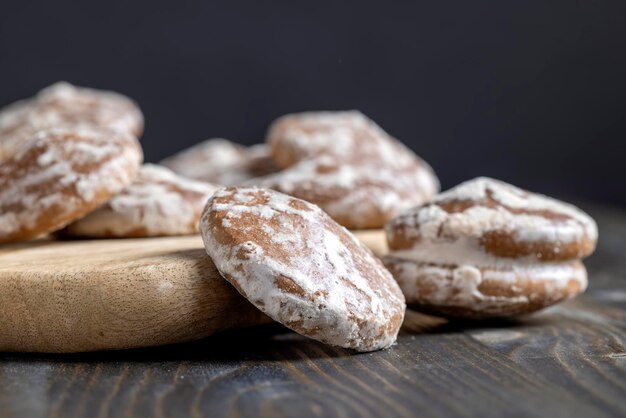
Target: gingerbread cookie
(489, 218)
(349, 166)
(64, 105)
(461, 252)
(298, 266)
(157, 203)
(60, 176)
(473, 291)
(221, 161)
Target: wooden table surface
(568, 361)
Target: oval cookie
(297, 265)
(485, 218)
(347, 165)
(470, 291)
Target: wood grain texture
(567, 361)
(61, 297)
(113, 294)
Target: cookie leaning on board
(488, 249)
(302, 269)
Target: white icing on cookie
(358, 192)
(64, 105)
(312, 134)
(301, 268)
(459, 286)
(157, 203)
(60, 175)
(529, 227)
(459, 251)
(348, 165)
(444, 235)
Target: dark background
(532, 92)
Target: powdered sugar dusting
(353, 191)
(60, 174)
(63, 105)
(531, 227)
(459, 286)
(157, 203)
(491, 206)
(302, 269)
(348, 165)
(312, 134)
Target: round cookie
(157, 203)
(484, 219)
(470, 291)
(298, 266)
(347, 135)
(61, 175)
(349, 166)
(65, 105)
(221, 161)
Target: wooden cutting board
(73, 296)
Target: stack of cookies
(488, 249)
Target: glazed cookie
(157, 203)
(60, 176)
(221, 161)
(65, 105)
(486, 248)
(485, 218)
(478, 292)
(349, 166)
(298, 266)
